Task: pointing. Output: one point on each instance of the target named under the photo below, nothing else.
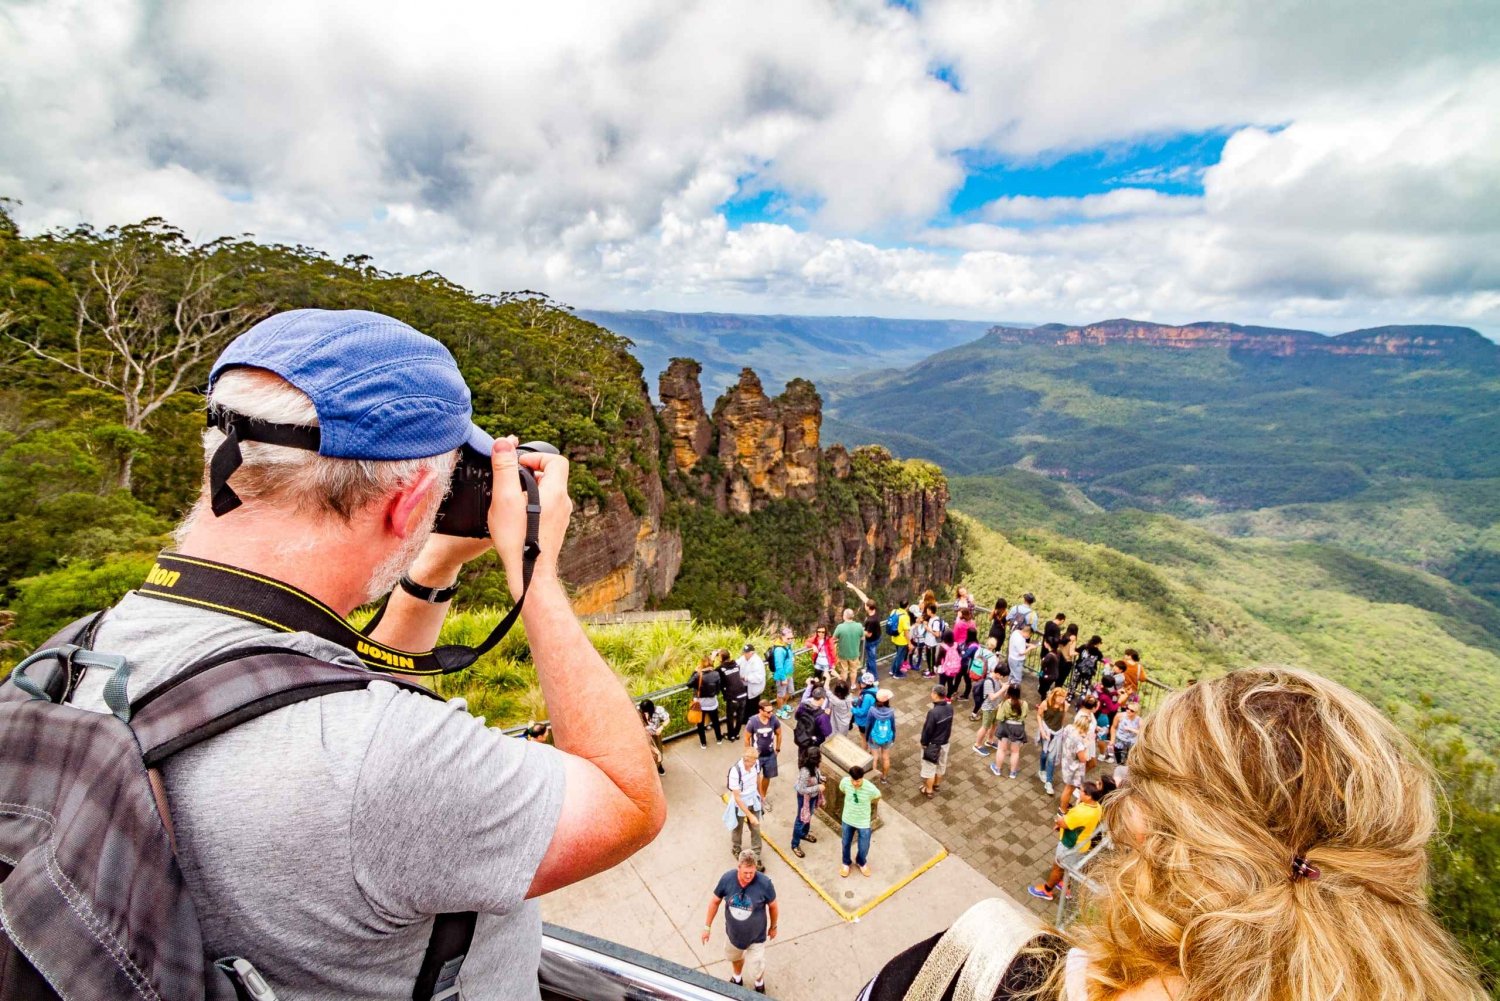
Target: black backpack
(805, 733)
(92, 901)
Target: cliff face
(1418, 342)
(616, 559)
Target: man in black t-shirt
(1052, 632)
(874, 625)
(750, 917)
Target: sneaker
(1040, 893)
(994, 771)
(1050, 791)
(1014, 774)
(737, 981)
(662, 771)
(984, 751)
(760, 867)
(760, 987)
(843, 870)
(974, 717)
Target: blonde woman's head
(1083, 722)
(1230, 781)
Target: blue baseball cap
(383, 390)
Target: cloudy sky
(1315, 163)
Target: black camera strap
(189, 580)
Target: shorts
(987, 717)
(784, 688)
(932, 770)
(1063, 855)
(768, 766)
(753, 956)
(1014, 731)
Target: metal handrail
(1072, 872)
(580, 967)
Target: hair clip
(1301, 870)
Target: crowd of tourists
(1022, 681)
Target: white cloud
(583, 148)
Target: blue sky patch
(1173, 166)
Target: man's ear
(410, 506)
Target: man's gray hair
(293, 479)
(748, 855)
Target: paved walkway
(656, 901)
(997, 831)
(1000, 826)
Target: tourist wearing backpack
(982, 664)
(299, 819)
(882, 731)
(824, 656)
(898, 628)
(811, 723)
(859, 712)
(1010, 725)
(949, 663)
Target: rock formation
(685, 421)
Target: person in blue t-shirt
(782, 664)
(750, 917)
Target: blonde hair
(1056, 690)
(295, 479)
(1229, 781)
(1083, 721)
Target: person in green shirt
(849, 644)
(860, 795)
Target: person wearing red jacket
(821, 646)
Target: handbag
(932, 753)
(695, 711)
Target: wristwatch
(431, 595)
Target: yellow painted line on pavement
(847, 915)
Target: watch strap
(431, 595)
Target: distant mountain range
(1386, 441)
(1451, 343)
(780, 348)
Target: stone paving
(1000, 826)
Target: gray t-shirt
(319, 840)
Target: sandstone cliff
(618, 556)
(1418, 342)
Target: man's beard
(383, 578)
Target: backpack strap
(222, 692)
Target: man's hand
(753, 819)
(443, 556)
(705, 936)
(508, 510)
(771, 932)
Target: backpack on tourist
(893, 623)
(805, 731)
(95, 903)
(883, 730)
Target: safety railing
(1075, 876)
(580, 967)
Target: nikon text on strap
(247, 595)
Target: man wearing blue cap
(320, 841)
